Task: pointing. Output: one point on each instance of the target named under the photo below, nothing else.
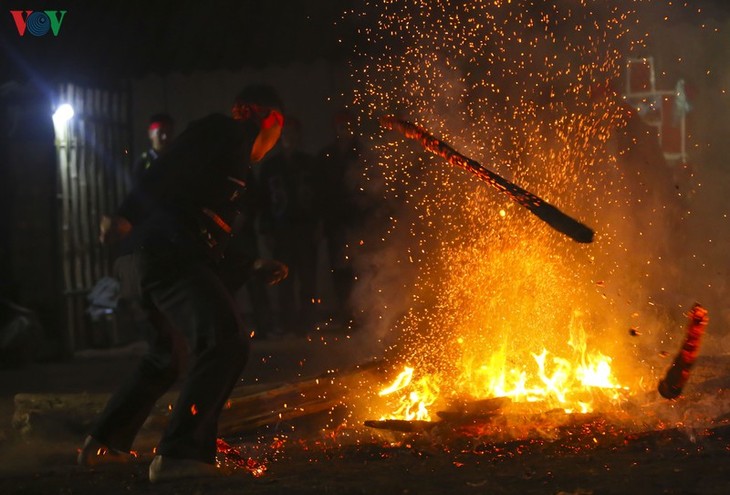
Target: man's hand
(271, 271)
(113, 229)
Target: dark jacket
(192, 199)
(145, 161)
(342, 199)
(291, 192)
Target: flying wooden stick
(539, 207)
(678, 374)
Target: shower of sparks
(531, 90)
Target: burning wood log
(401, 425)
(463, 411)
(474, 410)
(249, 406)
(292, 400)
(678, 374)
(482, 405)
(461, 416)
(537, 206)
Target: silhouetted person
(340, 167)
(247, 243)
(291, 225)
(178, 223)
(160, 132)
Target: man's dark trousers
(194, 314)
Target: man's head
(261, 105)
(160, 131)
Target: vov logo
(38, 23)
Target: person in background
(160, 131)
(340, 166)
(291, 226)
(177, 224)
(248, 244)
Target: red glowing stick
(678, 374)
(537, 206)
(233, 459)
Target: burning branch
(248, 408)
(678, 374)
(537, 206)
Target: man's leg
(197, 303)
(129, 406)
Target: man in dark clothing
(343, 209)
(247, 242)
(291, 223)
(160, 132)
(177, 226)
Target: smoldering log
(490, 404)
(537, 206)
(401, 425)
(469, 410)
(678, 374)
(460, 416)
(292, 400)
(461, 411)
(249, 406)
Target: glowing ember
(231, 458)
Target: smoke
(384, 269)
(693, 48)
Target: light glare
(63, 113)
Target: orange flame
(573, 385)
(418, 396)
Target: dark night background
(106, 40)
(189, 56)
(112, 39)
(160, 54)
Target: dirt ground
(589, 456)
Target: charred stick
(401, 425)
(537, 206)
(678, 374)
